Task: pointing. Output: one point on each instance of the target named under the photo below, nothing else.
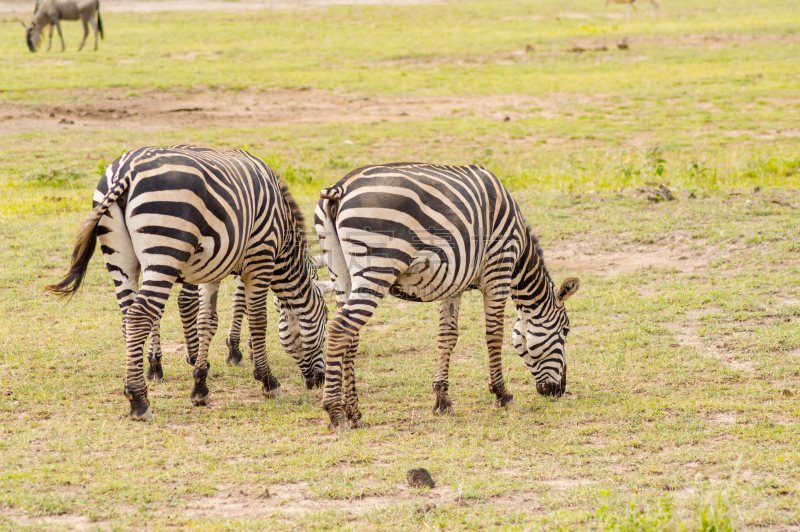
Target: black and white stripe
(425, 232)
(186, 214)
(313, 370)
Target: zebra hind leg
(189, 308)
(207, 327)
(154, 370)
(448, 336)
(351, 411)
(235, 357)
(138, 322)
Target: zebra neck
(532, 286)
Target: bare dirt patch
(687, 335)
(155, 110)
(682, 255)
(60, 522)
(296, 499)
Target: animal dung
(623, 44)
(66, 121)
(529, 49)
(420, 477)
(655, 192)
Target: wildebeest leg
(256, 291)
(189, 308)
(494, 304)
(448, 336)
(93, 22)
(85, 34)
(207, 327)
(235, 357)
(154, 370)
(50, 40)
(61, 35)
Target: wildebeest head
(32, 37)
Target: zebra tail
(86, 243)
(336, 262)
(99, 22)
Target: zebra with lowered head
(423, 232)
(185, 214)
(289, 331)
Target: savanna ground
(684, 357)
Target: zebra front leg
(351, 410)
(448, 336)
(154, 369)
(189, 308)
(235, 357)
(494, 309)
(256, 299)
(207, 327)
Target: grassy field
(683, 401)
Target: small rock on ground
(418, 478)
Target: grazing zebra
(313, 371)
(424, 232)
(185, 214)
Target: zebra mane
(539, 251)
(292, 204)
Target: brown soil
(171, 109)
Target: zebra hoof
(273, 394)
(505, 402)
(140, 410)
(235, 357)
(146, 417)
(201, 401)
(444, 411)
(154, 371)
(443, 407)
(200, 393)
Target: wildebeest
(54, 11)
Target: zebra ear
(324, 286)
(568, 288)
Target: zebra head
(539, 336)
(302, 332)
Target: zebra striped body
(424, 232)
(186, 214)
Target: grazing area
(657, 158)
